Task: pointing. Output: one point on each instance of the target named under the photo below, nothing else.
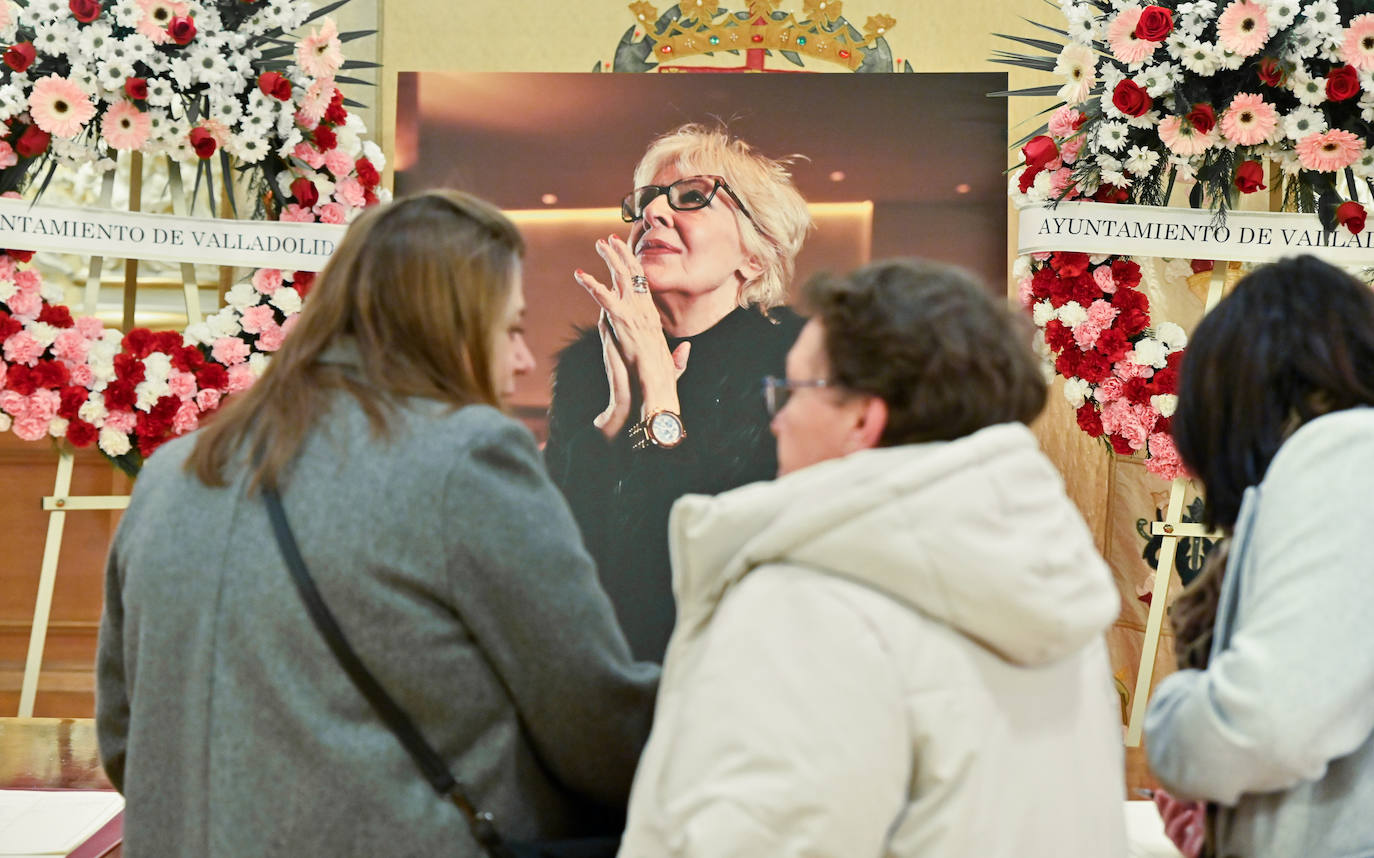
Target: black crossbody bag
(431, 764)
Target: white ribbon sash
(139, 235)
(1179, 233)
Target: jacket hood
(976, 533)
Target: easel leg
(47, 578)
(1155, 623)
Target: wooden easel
(61, 501)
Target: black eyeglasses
(684, 195)
(776, 391)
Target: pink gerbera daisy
(1243, 28)
(60, 106)
(1249, 121)
(157, 14)
(126, 127)
(1183, 139)
(1358, 47)
(1329, 151)
(1121, 36)
(320, 53)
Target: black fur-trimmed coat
(621, 497)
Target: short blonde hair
(781, 218)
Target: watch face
(666, 429)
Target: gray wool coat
(454, 567)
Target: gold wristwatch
(662, 428)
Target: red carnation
(1120, 445)
(212, 376)
(1069, 263)
(1164, 381)
(1058, 335)
(203, 142)
(1066, 364)
(367, 174)
(187, 358)
(80, 433)
(1136, 390)
(128, 368)
(1201, 265)
(182, 29)
(1342, 83)
(1126, 273)
(1133, 321)
(1093, 367)
(1250, 177)
(1270, 72)
(1155, 24)
(1041, 281)
(119, 396)
(84, 11)
(1202, 117)
(1089, 420)
(1351, 215)
(1086, 290)
(1108, 193)
(19, 57)
(1113, 345)
(305, 193)
(32, 143)
(303, 280)
(19, 255)
(9, 326)
(325, 138)
(56, 315)
(19, 378)
(335, 114)
(136, 88)
(138, 342)
(73, 398)
(1131, 99)
(274, 85)
(50, 374)
(167, 341)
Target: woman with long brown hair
(434, 534)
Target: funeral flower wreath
(1196, 94)
(194, 81)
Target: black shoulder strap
(432, 765)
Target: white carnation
(1073, 314)
(44, 333)
(1171, 335)
(157, 366)
(225, 323)
(1076, 391)
(1164, 403)
(93, 410)
(147, 393)
(286, 299)
(1150, 352)
(57, 427)
(242, 296)
(114, 443)
(1042, 313)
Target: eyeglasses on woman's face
(684, 195)
(777, 391)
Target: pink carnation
(4, 368)
(1086, 334)
(240, 378)
(22, 348)
(229, 351)
(338, 162)
(1061, 180)
(32, 428)
(333, 213)
(44, 404)
(1062, 122)
(90, 327)
(1101, 312)
(350, 192)
(207, 400)
(295, 213)
(1127, 369)
(28, 280)
(255, 319)
(267, 280)
(12, 403)
(1108, 390)
(182, 384)
(1068, 152)
(312, 157)
(1023, 291)
(271, 338)
(71, 346)
(82, 375)
(1102, 276)
(7, 157)
(25, 304)
(1163, 460)
(120, 421)
(186, 418)
(290, 323)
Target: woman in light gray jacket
(1275, 418)
(434, 534)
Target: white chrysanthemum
(289, 141)
(248, 149)
(1303, 121)
(94, 38)
(1149, 120)
(110, 77)
(126, 13)
(1072, 314)
(1112, 136)
(1322, 14)
(1310, 90)
(1204, 9)
(114, 443)
(225, 109)
(1150, 352)
(225, 323)
(1364, 168)
(52, 38)
(1281, 14)
(1171, 335)
(1164, 403)
(43, 10)
(206, 64)
(160, 92)
(1042, 313)
(286, 299)
(1141, 160)
(1084, 24)
(1159, 79)
(1076, 391)
(1200, 58)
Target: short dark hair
(1295, 340)
(946, 357)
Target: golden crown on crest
(704, 28)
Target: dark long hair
(419, 286)
(1294, 341)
